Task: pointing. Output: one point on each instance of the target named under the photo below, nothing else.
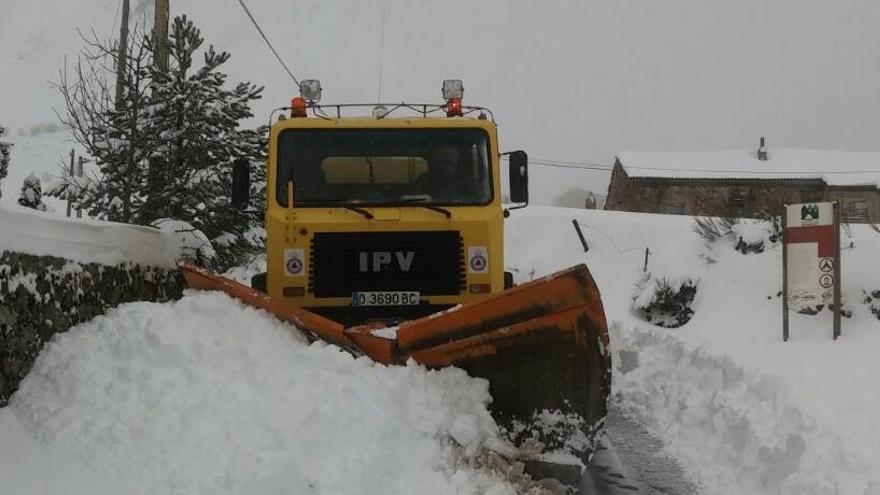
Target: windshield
(384, 167)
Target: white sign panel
(809, 214)
(803, 273)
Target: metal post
(160, 35)
(647, 253)
(69, 185)
(122, 55)
(784, 274)
(79, 174)
(580, 234)
(837, 270)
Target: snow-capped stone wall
(43, 295)
(57, 272)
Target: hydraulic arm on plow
(385, 237)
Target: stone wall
(740, 198)
(43, 295)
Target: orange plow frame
(542, 345)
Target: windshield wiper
(335, 203)
(418, 199)
(365, 213)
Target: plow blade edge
(543, 346)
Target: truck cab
(395, 215)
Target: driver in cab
(447, 179)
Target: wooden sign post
(811, 259)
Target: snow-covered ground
(743, 411)
(208, 396)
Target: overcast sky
(568, 80)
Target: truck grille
(429, 262)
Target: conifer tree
(196, 117)
(5, 152)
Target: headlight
(453, 88)
(310, 90)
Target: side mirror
(241, 183)
(519, 177)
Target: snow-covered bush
(32, 193)
(753, 236)
(712, 229)
(665, 303)
(872, 299)
(746, 235)
(194, 244)
(4, 156)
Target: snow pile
(737, 431)
(86, 241)
(209, 396)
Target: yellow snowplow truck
(385, 237)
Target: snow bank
(84, 241)
(743, 411)
(206, 395)
(32, 468)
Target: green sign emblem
(810, 212)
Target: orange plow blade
(316, 325)
(543, 346)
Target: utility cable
(381, 53)
(547, 162)
(254, 21)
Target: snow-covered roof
(836, 168)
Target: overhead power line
(561, 164)
(256, 25)
(550, 162)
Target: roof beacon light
(298, 107)
(453, 88)
(453, 108)
(310, 90)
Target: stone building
(746, 183)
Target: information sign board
(811, 258)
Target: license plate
(385, 298)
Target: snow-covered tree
(196, 115)
(110, 127)
(32, 193)
(164, 148)
(5, 151)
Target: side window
(739, 200)
(854, 210)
